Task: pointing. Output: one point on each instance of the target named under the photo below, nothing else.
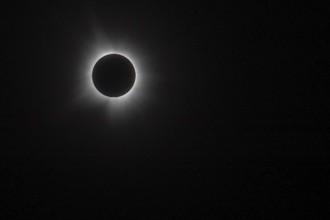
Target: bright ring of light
(126, 96)
(90, 96)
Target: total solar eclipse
(113, 75)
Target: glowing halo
(88, 96)
(130, 92)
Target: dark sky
(234, 123)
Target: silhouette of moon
(113, 75)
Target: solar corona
(115, 76)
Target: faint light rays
(87, 95)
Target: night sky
(231, 119)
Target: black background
(237, 124)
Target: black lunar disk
(113, 75)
